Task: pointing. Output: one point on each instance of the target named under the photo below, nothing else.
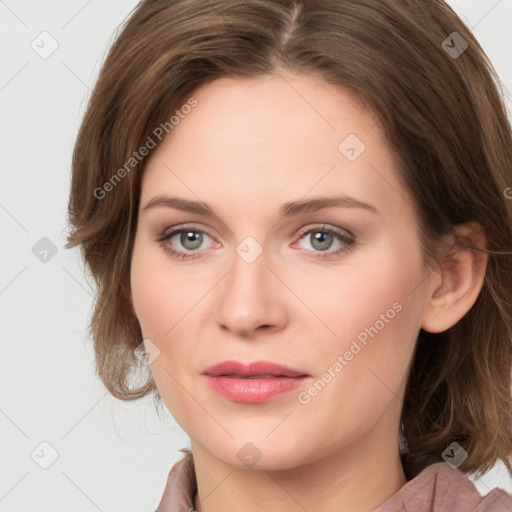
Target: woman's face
(292, 268)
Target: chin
(259, 453)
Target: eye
(190, 239)
(187, 242)
(322, 239)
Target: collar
(438, 486)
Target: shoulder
(181, 486)
(440, 487)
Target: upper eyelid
(173, 231)
(327, 229)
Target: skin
(249, 146)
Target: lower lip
(253, 390)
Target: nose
(251, 299)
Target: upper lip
(252, 369)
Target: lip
(252, 369)
(239, 382)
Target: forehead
(262, 137)
(296, 107)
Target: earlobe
(456, 284)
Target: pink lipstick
(254, 382)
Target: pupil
(191, 239)
(321, 238)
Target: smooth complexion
(248, 148)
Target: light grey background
(112, 455)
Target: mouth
(256, 382)
(254, 376)
(255, 369)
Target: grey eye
(191, 240)
(321, 240)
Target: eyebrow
(287, 210)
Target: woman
(300, 209)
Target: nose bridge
(248, 297)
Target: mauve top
(438, 487)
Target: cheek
(166, 303)
(160, 304)
(374, 311)
(161, 295)
(150, 307)
(370, 290)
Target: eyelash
(349, 242)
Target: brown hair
(441, 112)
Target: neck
(359, 478)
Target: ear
(454, 286)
